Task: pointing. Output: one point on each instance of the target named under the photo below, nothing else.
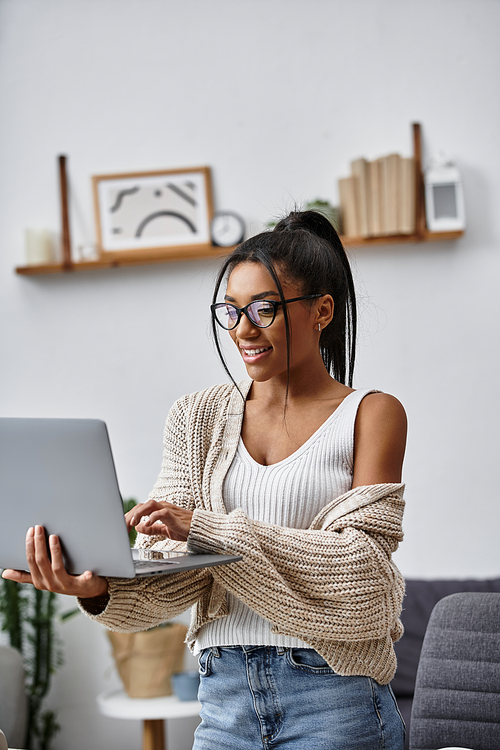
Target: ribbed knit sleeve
(141, 603)
(334, 583)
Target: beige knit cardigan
(332, 585)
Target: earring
(319, 326)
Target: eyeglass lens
(260, 312)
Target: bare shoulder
(382, 408)
(379, 440)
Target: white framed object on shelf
(444, 198)
(152, 214)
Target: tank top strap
(354, 399)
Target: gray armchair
(420, 599)
(457, 691)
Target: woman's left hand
(164, 519)
(48, 573)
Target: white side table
(152, 711)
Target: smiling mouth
(255, 352)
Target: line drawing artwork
(153, 209)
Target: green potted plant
(324, 207)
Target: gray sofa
(420, 599)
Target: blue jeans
(271, 697)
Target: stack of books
(378, 198)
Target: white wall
(277, 96)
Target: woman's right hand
(160, 518)
(49, 574)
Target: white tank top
(289, 493)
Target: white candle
(39, 247)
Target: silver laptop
(59, 474)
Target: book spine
(406, 216)
(375, 221)
(359, 169)
(348, 205)
(390, 191)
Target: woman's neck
(314, 385)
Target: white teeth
(254, 352)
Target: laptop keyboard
(150, 565)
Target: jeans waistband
(248, 649)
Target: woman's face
(263, 350)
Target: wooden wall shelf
(197, 252)
(219, 252)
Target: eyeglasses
(260, 313)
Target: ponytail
(319, 262)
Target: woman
(298, 473)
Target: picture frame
(157, 214)
(444, 199)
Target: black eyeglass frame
(240, 310)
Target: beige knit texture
(333, 585)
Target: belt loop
(215, 651)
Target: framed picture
(153, 214)
(444, 199)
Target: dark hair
(305, 248)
